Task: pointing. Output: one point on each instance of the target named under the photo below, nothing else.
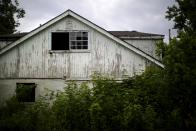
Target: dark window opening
(60, 41)
(69, 40)
(25, 92)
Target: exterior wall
(8, 87)
(146, 45)
(33, 60)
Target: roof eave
(143, 38)
(35, 31)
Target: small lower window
(25, 92)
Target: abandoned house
(70, 47)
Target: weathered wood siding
(33, 58)
(146, 45)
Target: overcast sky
(141, 15)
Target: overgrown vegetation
(157, 100)
(138, 103)
(134, 104)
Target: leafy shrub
(138, 103)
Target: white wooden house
(70, 47)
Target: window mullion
(69, 41)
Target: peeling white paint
(33, 60)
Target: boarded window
(76, 40)
(25, 92)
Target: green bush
(109, 105)
(138, 103)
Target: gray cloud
(141, 15)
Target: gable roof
(124, 35)
(12, 37)
(129, 35)
(87, 22)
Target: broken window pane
(85, 43)
(85, 47)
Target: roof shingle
(134, 34)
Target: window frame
(71, 50)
